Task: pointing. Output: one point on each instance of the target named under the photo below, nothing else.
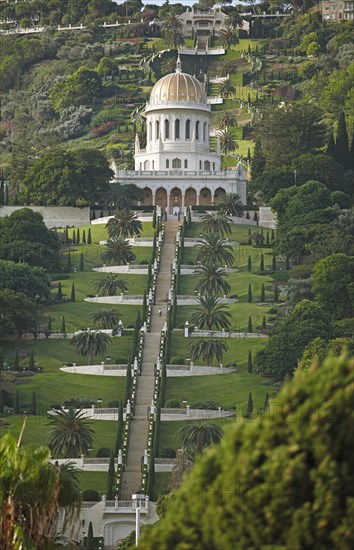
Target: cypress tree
(144, 315)
(49, 324)
(60, 292)
(81, 264)
(331, 146)
(287, 263)
(118, 442)
(74, 236)
(351, 153)
(261, 264)
(264, 323)
(249, 263)
(128, 383)
(266, 402)
(1, 401)
(249, 408)
(247, 215)
(255, 217)
(31, 361)
(342, 143)
(249, 362)
(34, 404)
(249, 240)
(262, 293)
(16, 361)
(258, 160)
(262, 237)
(249, 325)
(267, 239)
(66, 235)
(62, 327)
(72, 297)
(154, 218)
(1, 359)
(89, 541)
(89, 236)
(249, 294)
(150, 484)
(78, 236)
(274, 263)
(276, 293)
(17, 402)
(272, 236)
(83, 236)
(156, 444)
(110, 478)
(68, 263)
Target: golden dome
(177, 87)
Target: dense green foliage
(285, 481)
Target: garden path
(139, 426)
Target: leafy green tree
(289, 132)
(106, 318)
(211, 280)
(214, 249)
(83, 87)
(332, 283)
(108, 284)
(70, 433)
(77, 178)
(118, 251)
(18, 313)
(216, 223)
(231, 205)
(90, 343)
(321, 168)
(124, 224)
(207, 349)
(301, 450)
(32, 281)
(210, 314)
(200, 435)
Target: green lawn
(161, 481)
(96, 481)
(169, 436)
(36, 431)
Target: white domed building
(177, 168)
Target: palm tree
(226, 88)
(231, 205)
(211, 280)
(168, 66)
(211, 314)
(32, 492)
(226, 119)
(200, 435)
(228, 37)
(172, 30)
(108, 284)
(124, 224)
(70, 434)
(207, 349)
(227, 141)
(228, 67)
(235, 19)
(119, 251)
(122, 195)
(90, 342)
(215, 250)
(216, 223)
(106, 318)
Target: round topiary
(172, 404)
(90, 495)
(114, 404)
(121, 361)
(103, 452)
(168, 452)
(177, 361)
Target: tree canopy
(284, 481)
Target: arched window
(214, 166)
(153, 165)
(157, 130)
(204, 131)
(150, 131)
(167, 163)
(188, 129)
(197, 130)
(167, 129)
(200, 165)
(146, 165)
(206, 165)
(176, 163)
(186, 163)
(177, 128)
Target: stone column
(168, 202)
(183, 199)
(198, 196)
(153, 198)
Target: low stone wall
(55, 216)
(267, 218)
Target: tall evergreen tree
(49, 325)
(351, 153)
(267, 239)
(258, 160)
(16, 361)
(62, 327)
(287, 263)
(83, 236)
(272, 236)
(249, 408)
(261, 263)
(31, 362)
(249, 362)
(60, 292)
(68, 262)
(276, 292)
(81, 264)
(274, 263)
(266, 402)
(72, 296)
(34, 404)
(262, 293)
(342, 143)
(249, 263)
(331, 146)
(89, 540)
(78, 236)
(249, 238)
(249, 325)
(110, 478)
(1, 359)
(17, 402)
(118, 442)
(249, 294)
(264, 323)
(74, 236)
(89, 239)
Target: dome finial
(178, 64)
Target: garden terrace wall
(55, 216)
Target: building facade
(202, 22)
(337, 10)
(177, 167)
